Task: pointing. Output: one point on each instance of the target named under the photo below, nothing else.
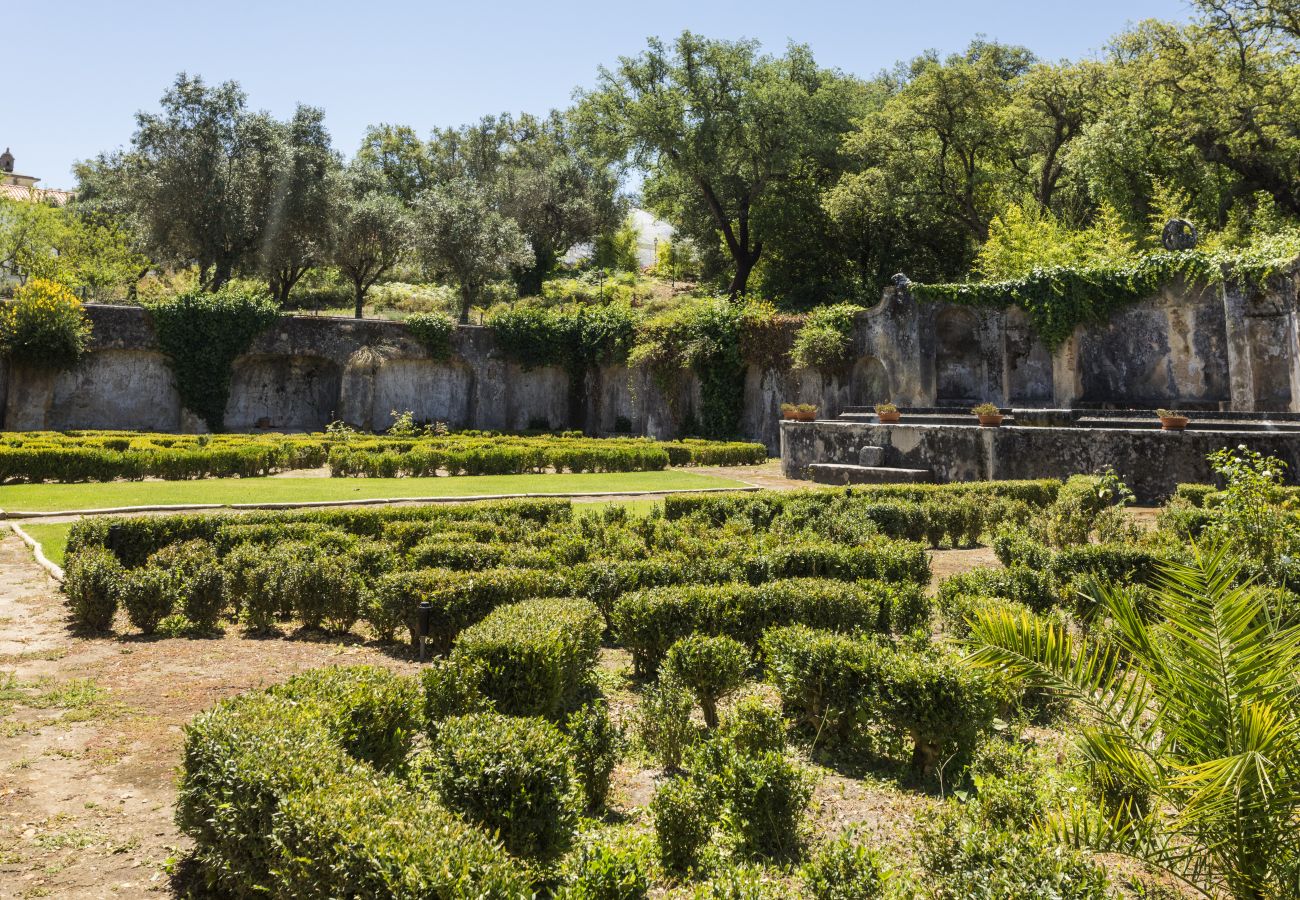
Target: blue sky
(75, 79)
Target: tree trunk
(221, 273)
(466, 301)
(745, 261)
(359, 295)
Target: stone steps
(846, 473)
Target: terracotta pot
(888, 418)
(991, 421)
(1173, 423)
(805, 417)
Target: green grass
(52, 538)
(54, 497)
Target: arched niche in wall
(298, 393)
(869, 382)
(957, 366)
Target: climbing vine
(825, 340)
(1059, 299)
(433, 331)
(574, 338)
(202, 333)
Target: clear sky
(74, 73)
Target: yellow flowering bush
(44, 326)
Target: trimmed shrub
(147, 594)
(943, 705)
(608, 870)
(843, 869)
(684, 814)
(710, 667)
(824, 679)
(1030, 587)
(537, 655)
(372, 713)
(753, 724)
(276, 806)
(511, 775)
(766, 797)
(596, 743)
(663, 721)
(92, 583)
(196, 581)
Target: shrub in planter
(509, 774)
(663, 722)
(538, 655)
(844, 869)
(92, 583)
(147, 594)
(710, 667)
(608, 870)
(684, 814)
(596, 744)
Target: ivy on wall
(202, 333)
(433, 331)
(825, 340)
(1060, 299)
(574, 338)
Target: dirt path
(90, 736)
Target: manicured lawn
(51, 497)
(53, 539)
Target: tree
(89, 253)
(400, 157)
(716, 125)
(463, 237)
(1193, 704)
(201, 178)
(298, 233)
(536, 173)
(371, 229)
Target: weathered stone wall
(1151, 462)
(1190, 346)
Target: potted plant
(1172, 420)
(798, 412)
(989, 415)
(887, 413)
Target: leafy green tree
(200, 178)
(401, 158)
(299, 230)
(718, 126)
(1192, 710)
(616, 249)
(537, 174)
(372, 231)
(87, 252)
(463, 237)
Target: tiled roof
(18, 192)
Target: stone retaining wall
(1150, 461)
(1198, 347)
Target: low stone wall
(1150, 461)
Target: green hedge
(538, 656)
(77, 456)
(648, 622)
(276, 805)
(843, 686)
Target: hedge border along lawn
(223, 491)
(77, 456)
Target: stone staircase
(867, 470)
